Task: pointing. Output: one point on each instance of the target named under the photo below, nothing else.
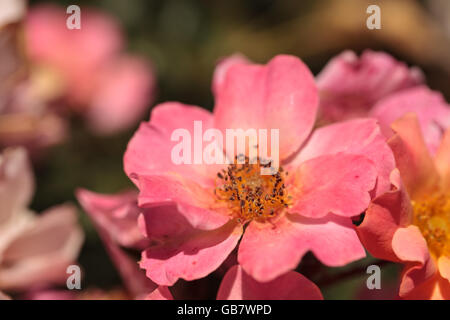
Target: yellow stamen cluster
(432, 216)
(250, 195)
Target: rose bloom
(325, 178)
(35, 250)
(87, 67)
(349, 86)
(411, 223)
(378, 86)
(115, 217)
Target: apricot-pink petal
(124, 93)
(337, 183)
(430, 107)
(238, 285)
(160, 293)
(267, 251)
(384, 216)
(410, 246)
(434, 288)
(16, 183)
(117, 214)
(193, 202)
(412, 157)
(222, 68)
(192, 257)
(444, 267)
(350, 85)
(357, 136)
(150, 150)
(280, 95)
(442, 160)
(441, 289)
(41, 254)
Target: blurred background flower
(86, 68)
(35, 250)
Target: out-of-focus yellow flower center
(47, 83)
(249, 194)
(432, 216)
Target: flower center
(432, 216)
(250, 195)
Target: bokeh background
(184, 39)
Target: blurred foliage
(184, 39)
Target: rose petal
(281, 95)
(42, 253)
(116, 217)
(268, 250)
(194, 202)
(164, 222)
(444, 267)
(412, 157)
(338, 183)
(222, 68)
(442, 291)
(384, 216)
(195, 257)
(134, 279)
(237, 285)
(165, 225)
(442, 160)
(116, 214)
(349, 85)
(357, 136)
(160, 293)
(435, 288)
(409, 245)
(150, 150)
(429, 106)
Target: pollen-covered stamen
(432, 216)
(249, 194)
